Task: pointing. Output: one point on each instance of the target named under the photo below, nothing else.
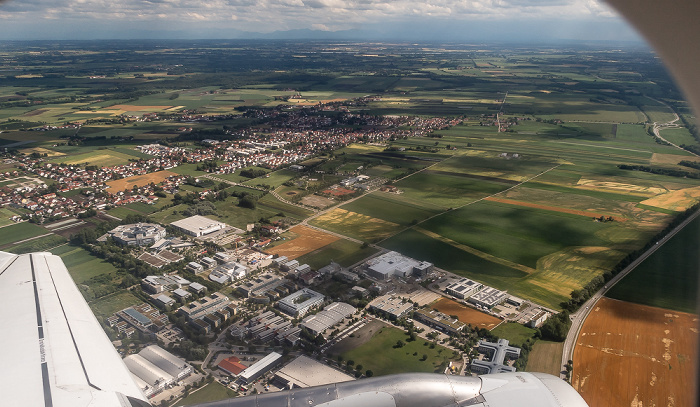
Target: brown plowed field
(140, 180)
(466, 314)
(635, 355)
(554, 208)
(308, 240)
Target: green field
(389, 207)
(108, 305)
(545, 357)
(211, 392)
(669, 277)
(516, 333)
(81, 264)
(20, 231)
(5, 215)
(521, 235)
(343, 252)
(442, 191)
(38, 245)
(381, 357)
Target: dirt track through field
(554, 208)
(635, 355)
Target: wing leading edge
(54, 350)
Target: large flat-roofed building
(166, 361)
(306, 372)
(137, 234)
(300, 302)
(261, 367)
(198, 225)
(152, 375)
(392, 264)
(393, 307)
(464, 288)
(497, 352)
(206, 305)
(488, 297)
(158, 284)
(331, 315)
(439, 320)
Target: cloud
(272, 15)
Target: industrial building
(208, 262)
(306, 372)
(227, 272)
(156, 369)
(165, 302)
(539, 319)
(331, 315)
(206, 305)
(198, 225)
(261, 367)
(392, 264)
(142, 317)
(232, 365)
(137, 234)
(498, 352)
(393, 307)
(299, 303)
(265, 284)
(158, 284)
(194, 267)
(488, 297)
(464, 288)
(439, 321)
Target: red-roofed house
(232, 366)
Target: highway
(578, 318)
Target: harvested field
(308, 240)
(636, 355)
(658, 158)
(41, 150)
(140, 180)
(134, 108)
(356, 225)
(678, 200)
(466, 314)
(555, 208)
(619, 187)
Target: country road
(579, 317)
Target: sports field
(139, 180)
(468, 315)
(636, 355)
(307, 240)
(545, 357)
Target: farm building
(464, 288)
(300, 302)
(393, 307)
(137, 234)
(198, 225)
(306, 372)
(488, 297)
(498, 352)
(331, 315)
(261, 367)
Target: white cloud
(271, 15)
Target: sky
(412, 20)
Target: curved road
(580, 316)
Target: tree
(369, 373)
(399, 344)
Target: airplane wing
(55, 354)
(425, 390)
(54, 351)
